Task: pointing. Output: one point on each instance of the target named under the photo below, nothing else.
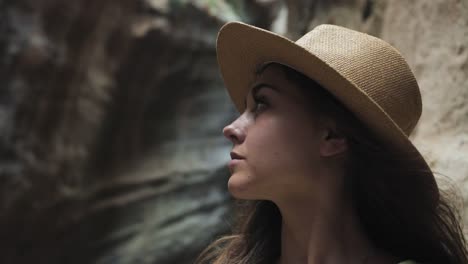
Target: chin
(240, 186)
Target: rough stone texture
(433, 36)
(111, 115)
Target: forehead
(270, 72)
(275, 75)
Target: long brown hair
(396, 209)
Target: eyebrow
(257, 87)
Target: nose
(234, 134)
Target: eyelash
(259, 100)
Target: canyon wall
(111, 115)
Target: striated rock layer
(111, 143)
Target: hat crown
(372, 65)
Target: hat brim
(241, 48)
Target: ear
(332, 144)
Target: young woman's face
(280, 145)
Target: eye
(260, 104)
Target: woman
(321, 157)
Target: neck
(330, 233)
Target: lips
(236, 156)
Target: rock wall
(433, 36)
(111, 115)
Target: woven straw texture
(373, 66)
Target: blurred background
(111, 116)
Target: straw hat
(368, 75)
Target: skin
(297, 164)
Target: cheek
(279, 154)
(282, 150)
(284, 144)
